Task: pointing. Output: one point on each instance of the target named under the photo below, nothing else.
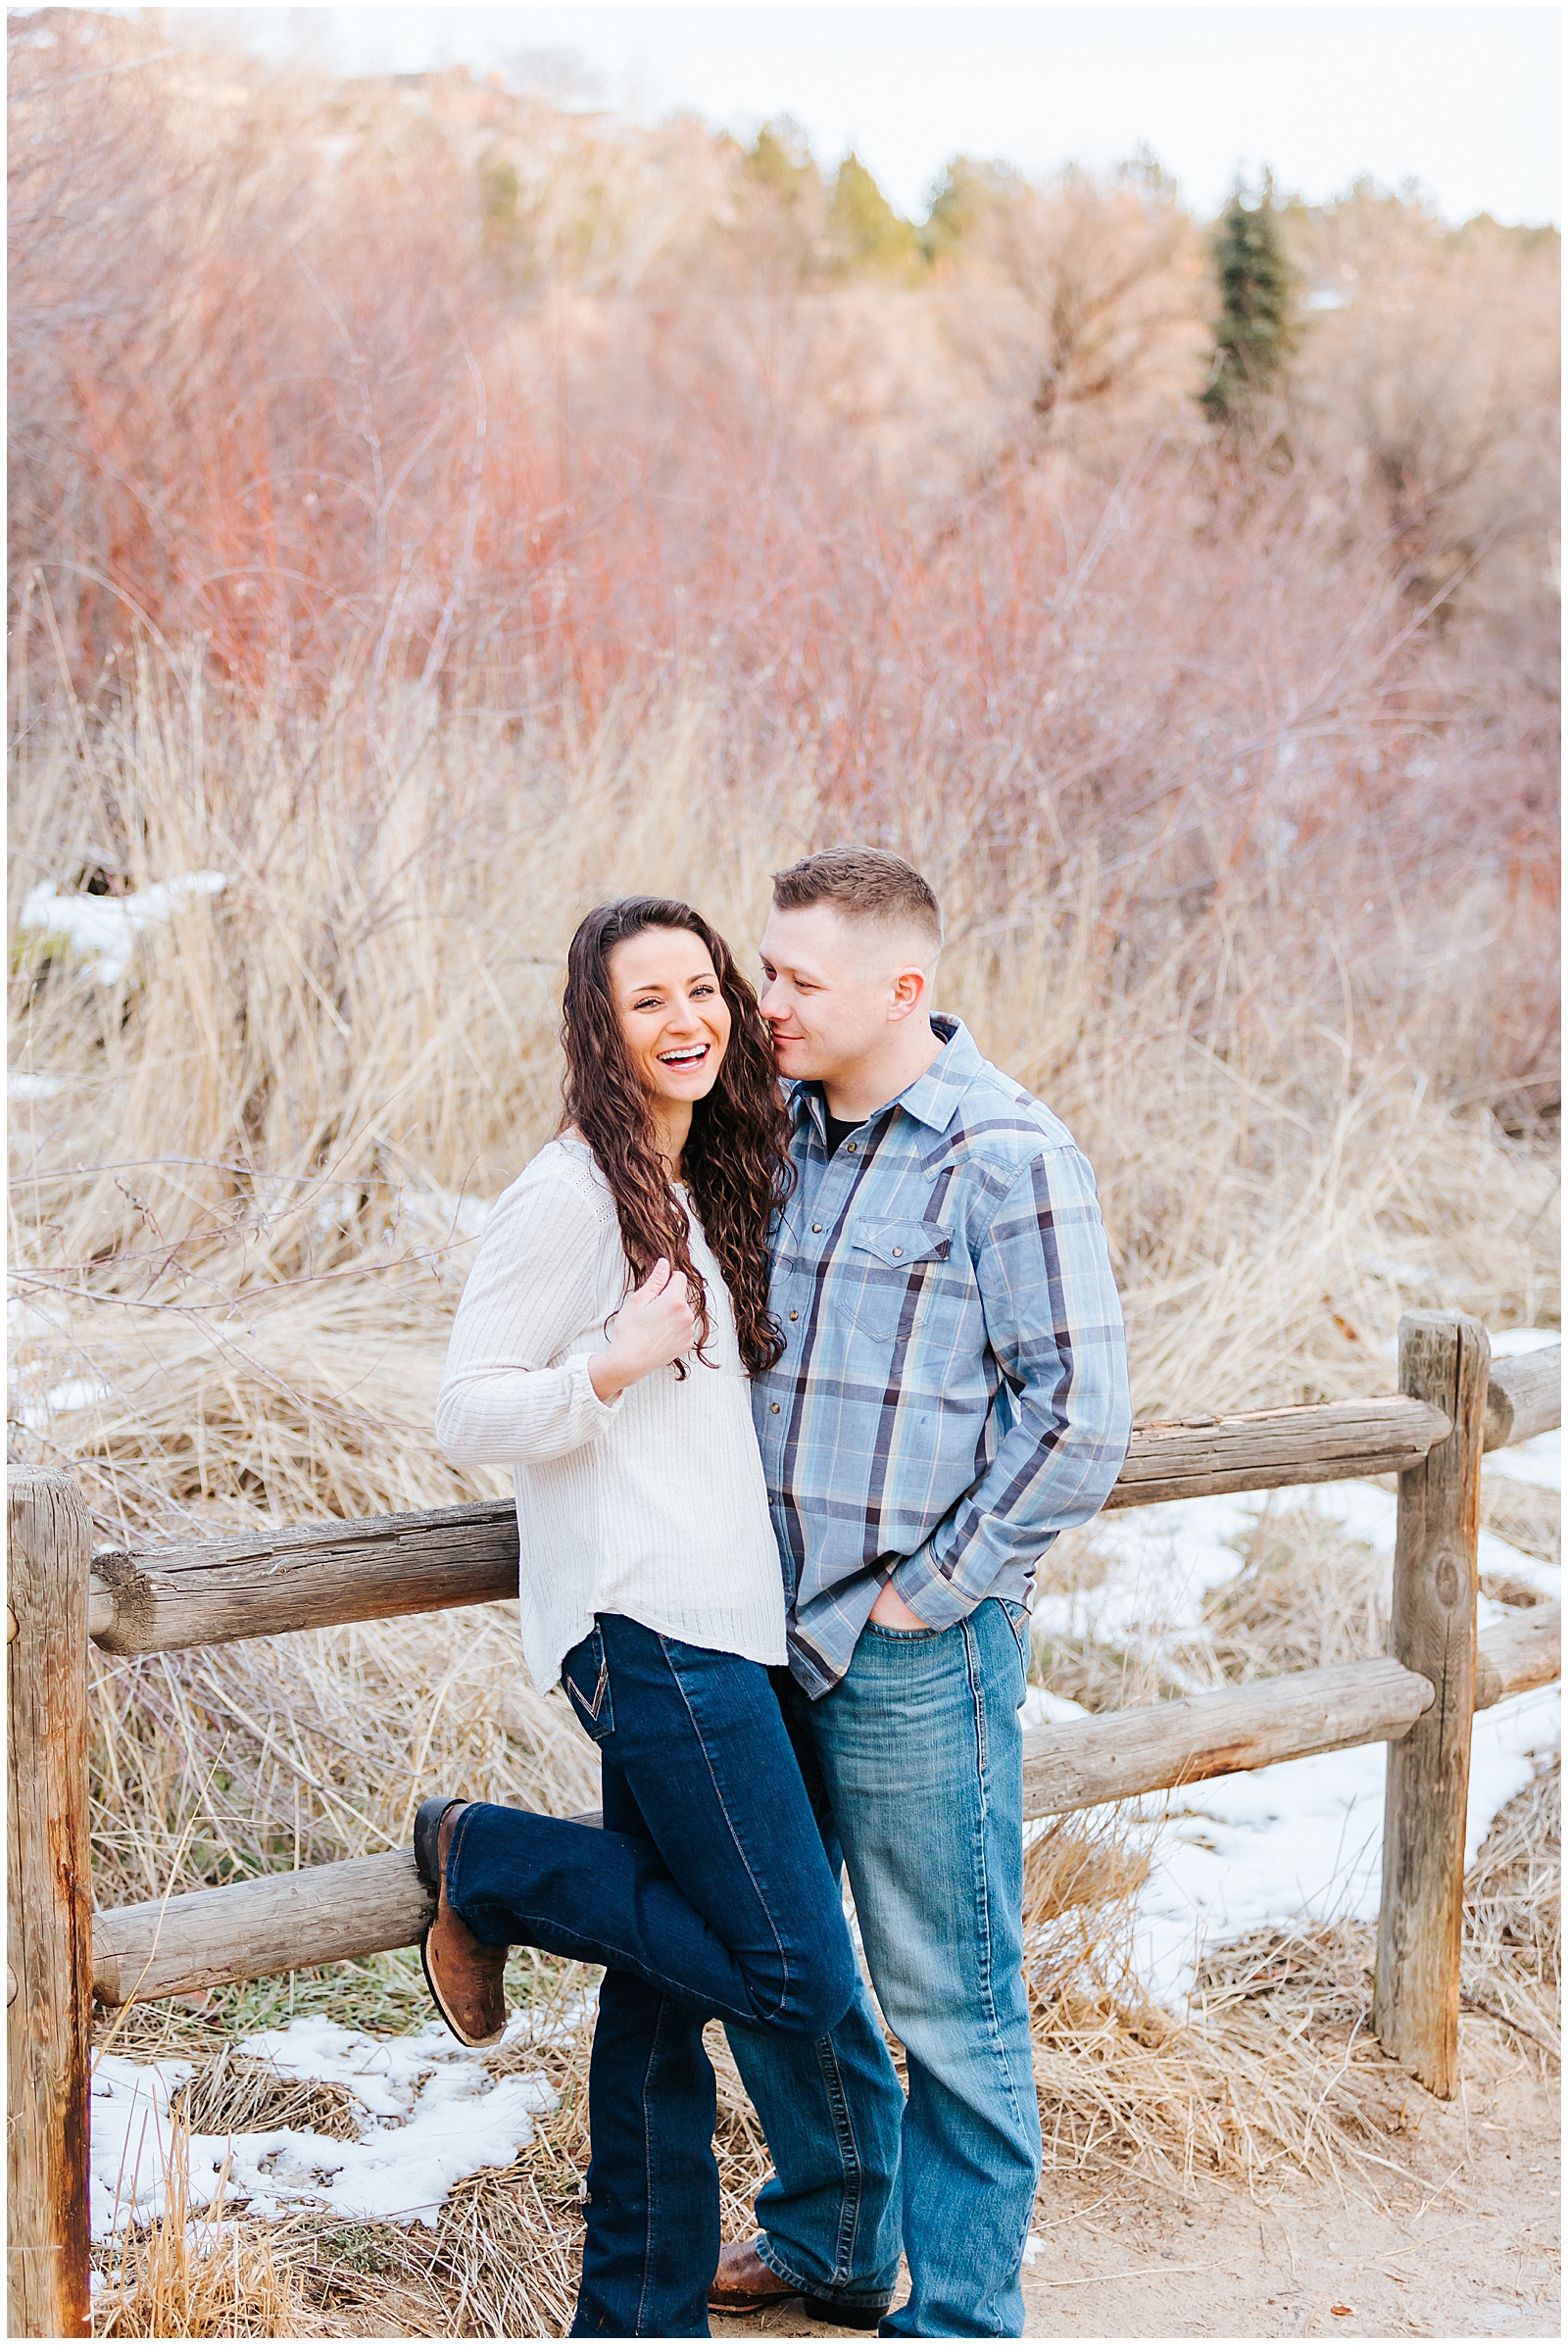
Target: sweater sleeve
(532, 1290)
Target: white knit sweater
(651, 1504)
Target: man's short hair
(862, 883)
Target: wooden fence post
(49, 1909)
(1443, 1358)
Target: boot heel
(426, 1835)
(844, 2315)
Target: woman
(601, 1348)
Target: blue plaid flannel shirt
(953, 1391)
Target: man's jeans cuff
(768, 2254)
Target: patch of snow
(1396, 1272)
(81, 1392)
(24, 1318)
(1538, 1461)
(440, 1213)
(1300, 1841)
(1303, 1842)
(432, 2114)
(1509, 1341)
(1043, 1708)
(1163, 1560)
(333, 1205)
(1371, 1515)
(105, 928)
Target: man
(952, 1395)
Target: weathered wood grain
(212, 1591)
(334, 1912)
(1518, 1654)
(1266, 1448)
(1524, 1397)
(1162, 1746)
(254, 1928)
(1443, 1358)
(48, 1910)
(216, 1590)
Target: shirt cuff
(599, 1412)
(923, 1589)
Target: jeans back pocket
(585, 1674)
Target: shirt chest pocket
(891, 1259)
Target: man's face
(826, 989)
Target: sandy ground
(1464, 2243)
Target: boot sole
(817, 2308)
(427, 1864)
(472, 2043)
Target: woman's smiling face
(673, 1017)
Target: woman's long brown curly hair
(736, 1161)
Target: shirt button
(852, 1147)
(897, 1251)
(775, 1409)
(794, 1314)
(817, 1228)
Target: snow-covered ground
(431, 2113)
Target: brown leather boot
(463, 1976)
(744, 2283)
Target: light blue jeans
(916, 1766)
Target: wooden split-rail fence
(1419, 1699)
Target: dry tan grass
(238, 1759)
(1526, 1517)
(286, 1107)
(1307, 1596)
(239, 1231)
(235, 2093)
(1259, 982)
(194, 2275)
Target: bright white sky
(1465, 100)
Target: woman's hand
(655, 1325)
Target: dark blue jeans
(708, 1895)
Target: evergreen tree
(868, 234)
(1255, 332)
(966, 191)
(781, 160)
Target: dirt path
(1465, 2247)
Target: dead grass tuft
(1512, 1966)
(1307, 1596)
(1526, 1517)
(1075, 1863)
(237, 2093)
(194, 2275)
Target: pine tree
(869, 235)
(966, 191)
(1255, 332)
(781, 160)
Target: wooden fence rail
(212, 1591)
(1453, 1404)
(331, 1913)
